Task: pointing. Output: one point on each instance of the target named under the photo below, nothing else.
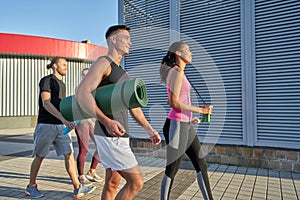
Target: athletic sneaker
(84, 181)
(82, 191)
(33, 192)
(93, 177)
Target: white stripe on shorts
(115, 153)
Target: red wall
(34, 45)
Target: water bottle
(66, 130)
(205, 118)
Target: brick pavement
(227, 182)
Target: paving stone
(227, 182)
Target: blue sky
(74, 20)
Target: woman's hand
(206, 109)
(196, 120)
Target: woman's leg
(83, 140)
(168, 178)
(171, 132)
(200, 165)
(95, 159)
(92, 175)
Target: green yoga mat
(110, 99)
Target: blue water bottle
(67, 130)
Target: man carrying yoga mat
(111, 130)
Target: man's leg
(31, 189)
(71, 169)
(112, 181)
(134, 183)
(34, 170)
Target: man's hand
(114, 128)
(69, 124)
(156, 139)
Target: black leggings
(185, 142)
(182, 139)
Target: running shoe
(84, 181)
(93, 177)
(82, 191)
(33, 192)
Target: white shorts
(115, 153)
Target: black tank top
(117, 74)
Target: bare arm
(175, 83)
(46, 99)
(140, 118)
(99, 70)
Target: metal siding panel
(215, 26)
(20, 87)
(29, 82)
(277, 42)
(20, 78)
(11, 86)
(2, 84)
(150, 31)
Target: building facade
(23, 61)
(246, 63)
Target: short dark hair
(114, 28)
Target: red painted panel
(25, 44)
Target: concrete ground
(227, 182)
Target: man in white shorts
(111, 132)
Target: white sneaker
(84, 181)
(93, 177)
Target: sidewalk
(227, 182)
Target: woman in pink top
(178, 130)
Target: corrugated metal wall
(277, 42)
(214, 27)
(148, 45)
(19, 82)
(254, 45)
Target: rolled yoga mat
(112, 98)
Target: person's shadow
(14, 191)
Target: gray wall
(19, 90)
